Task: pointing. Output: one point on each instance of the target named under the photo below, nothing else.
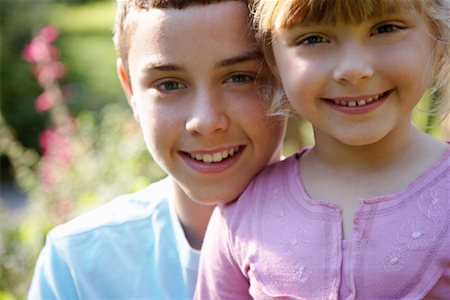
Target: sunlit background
(68, 141)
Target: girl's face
(356, 83)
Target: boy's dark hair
(124, 29)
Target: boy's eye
(241, 78)
(168, 86)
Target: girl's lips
(358, 105)
(213, 162)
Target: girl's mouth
(358, 102)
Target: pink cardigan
(277, 242)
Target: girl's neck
(389, 151)
(193, 216)
(372, 170)
(334, 172)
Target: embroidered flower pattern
(281, 276)
(300, 272)
(418, 233)
(396, 260)
(435, 203)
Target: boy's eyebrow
(167, 67)
(160, 67)
(252, 55)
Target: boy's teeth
(225, 154)
(352, 103)
(215, 157)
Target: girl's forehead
(287, 14)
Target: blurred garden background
(68, 141)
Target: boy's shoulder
(124, 210)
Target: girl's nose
(353, 65)
(207, 115)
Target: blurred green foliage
(106, 155)
(18, 85)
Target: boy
(189, 70)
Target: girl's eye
(312, 40)
(386, 28)
(169, 86)
(241, 78)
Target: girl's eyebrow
(252, 55)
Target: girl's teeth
(352, 103)
(361, 102)
(215, 157)
(207, 158)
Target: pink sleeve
(220, 275)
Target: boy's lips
(214, 157)
(215, 161)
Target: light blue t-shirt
(131, 248)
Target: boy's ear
(124, 80)
(126, 85)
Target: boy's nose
(207, 115)
(353, 65)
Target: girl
(364, 213)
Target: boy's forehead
(160, 15)
(171, 35)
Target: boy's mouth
(357, 102)
(216, 156)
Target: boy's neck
(194, 217)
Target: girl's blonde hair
(269, 15)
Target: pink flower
(55, 145)
(35, 51)
(43, 102)
(49, 33)
(48, 73)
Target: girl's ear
(127, 88)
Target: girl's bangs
(289, 13)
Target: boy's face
(193, 91)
